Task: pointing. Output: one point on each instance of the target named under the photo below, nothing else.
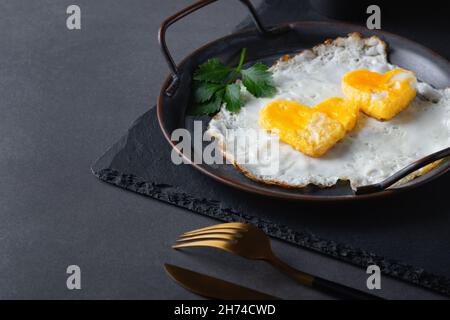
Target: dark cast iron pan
(267, 44)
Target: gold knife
(211, 287)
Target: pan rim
(275, 193)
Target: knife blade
(211, 287)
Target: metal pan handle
(404, 172)
(183, 13)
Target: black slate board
(407, 236)
(412, 228)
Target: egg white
(373, 151)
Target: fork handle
(326, 286)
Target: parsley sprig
(215, 84)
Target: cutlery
(247, 241)
(211, 287)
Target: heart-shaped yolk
(310, 130)
(381, 96)
(344, 111)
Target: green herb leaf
(212, 71)
(204, 91)
(210, 107)
(258, 80)
(214, 84)
(232, 97)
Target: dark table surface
(65, 97)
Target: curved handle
(404, 172)
(326, 286)
(183, 13)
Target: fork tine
(230, 225)
(220, 244)
(212, 231)
(211, 236)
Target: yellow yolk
(344, 111)
(312, 131)
(380, 96)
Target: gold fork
(250, 242)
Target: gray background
(65, 97)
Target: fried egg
(319, 93)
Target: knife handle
(341, 291)
(326, 286)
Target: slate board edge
(212, 208)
